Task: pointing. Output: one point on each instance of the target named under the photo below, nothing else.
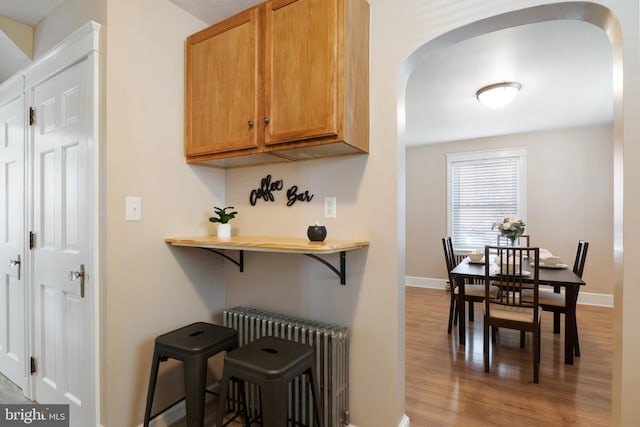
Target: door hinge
(33, 368)
(32, 116)
(32, 240)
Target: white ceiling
(565, 68)
(28, 12)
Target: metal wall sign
(268, 188)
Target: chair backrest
(507, 270)
(450, 259)
(581, 257)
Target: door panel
(222, 86)
(12, 294)
(301, 81)
(63, 317)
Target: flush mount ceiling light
(498, 95)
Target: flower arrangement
(223, 216)
(510, 227)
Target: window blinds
(481, 192)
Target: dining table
(554, 276)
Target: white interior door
(63, 308)
(12, 237)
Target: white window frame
(520, 153)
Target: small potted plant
(223, 217)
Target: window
(482, 187)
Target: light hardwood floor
(446, 384)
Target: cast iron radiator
(331, 348)
(459, 257)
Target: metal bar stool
(270, 363)
(193, 345)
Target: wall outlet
(330, 207)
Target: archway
(586, 12)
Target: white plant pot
(224, 231)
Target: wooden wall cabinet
(285, 80)
(222, 86)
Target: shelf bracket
(340, 273)
(239, 262)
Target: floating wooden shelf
(273, 244)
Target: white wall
(298, 285)
(569, 197)
(150, 287)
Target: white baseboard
(585, 298)
(404, 422)
(425, 282)
(589, 298)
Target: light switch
(133, 208)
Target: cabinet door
(222, 86)
(301, 70)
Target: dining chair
(472, 292)
(507, 308)
(450, 261)
(554, 300)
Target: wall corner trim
(71, 50)
(405, 422)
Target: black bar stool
(193, 345)
(270, 363)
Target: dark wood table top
(552, 276)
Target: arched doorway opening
(586, 12)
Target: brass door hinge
(32, 116)
(33, 368)
(32, 240)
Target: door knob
(14, 263)
(73, 275)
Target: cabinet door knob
(250, 124)
(266, 121)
